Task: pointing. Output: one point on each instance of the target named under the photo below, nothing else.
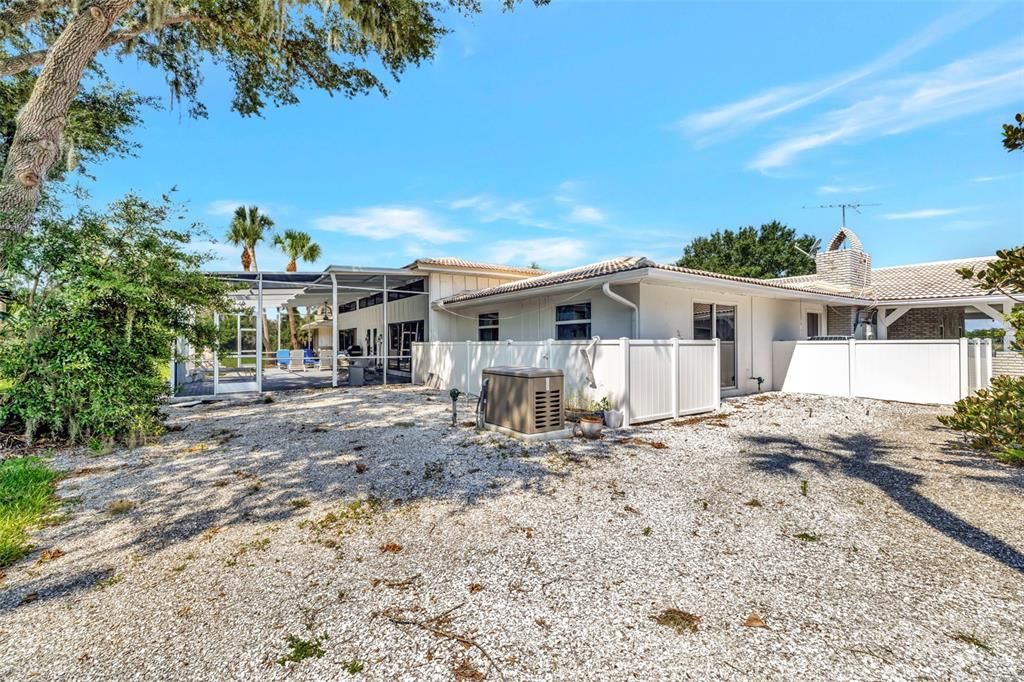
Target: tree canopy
(273, 49)
(1013, 134)
(96, 302)
(773, 250)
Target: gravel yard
(354, 532)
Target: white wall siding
(934, 372)
(533, 319)
(403, 310)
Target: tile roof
(922, 281)
(615, 266)
(925, 280)
(470, 265)
(606, 267)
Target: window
(813, 322)
(572, 321)
(488, 327)
(346, 338)
(715, 321)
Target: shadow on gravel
(861, 457)
(259, 464)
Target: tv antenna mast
(856, 206)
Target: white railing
(646, 379)
(932, 371)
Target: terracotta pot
(591, 426)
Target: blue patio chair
(283, 357)
(308, 358)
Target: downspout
(607, 289)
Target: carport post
(216, 360)
(259, 333)
(387, 344)
(334, 330)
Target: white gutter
(607, 289)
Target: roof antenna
(856, 206)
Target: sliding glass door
(717, 321)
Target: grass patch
(300, 649)
(352, 667)
(754, 502)
(804, 485)
(967, 638)
(648, 531)
(807, 537)
(26, 496)
(680, 621)
(300, 503)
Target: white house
(380, 313)
(637, 298)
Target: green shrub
(95, 302)
(26, 495)
(993, 418)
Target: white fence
(646, 379)
(939, 372)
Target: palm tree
(297, 246)
(248, 227)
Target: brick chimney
(847, 268)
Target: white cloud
(922, 214)
(556, 251)
(843, 189)
(709, 126)
(991, 178)
(391, 222)
(981, 82)
(490, 209)
(586, 214)
(965, 225)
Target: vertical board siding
(697, 380)
(651, 382)
(930, 372)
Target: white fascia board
(497, 274)
(941, 302)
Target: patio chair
(307, 358)
(297, 360)
(283, 357)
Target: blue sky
(585, 130)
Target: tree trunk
(291, 329)
(42, 120)
(246, 260)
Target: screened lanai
(298, 330)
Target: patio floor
(275, 379)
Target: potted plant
(612, 418)
(591, 424)
(580, 408)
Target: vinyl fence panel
(821, 367)
(927, 371)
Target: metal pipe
(607, 289)
(387, 334)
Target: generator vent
(547, 409)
